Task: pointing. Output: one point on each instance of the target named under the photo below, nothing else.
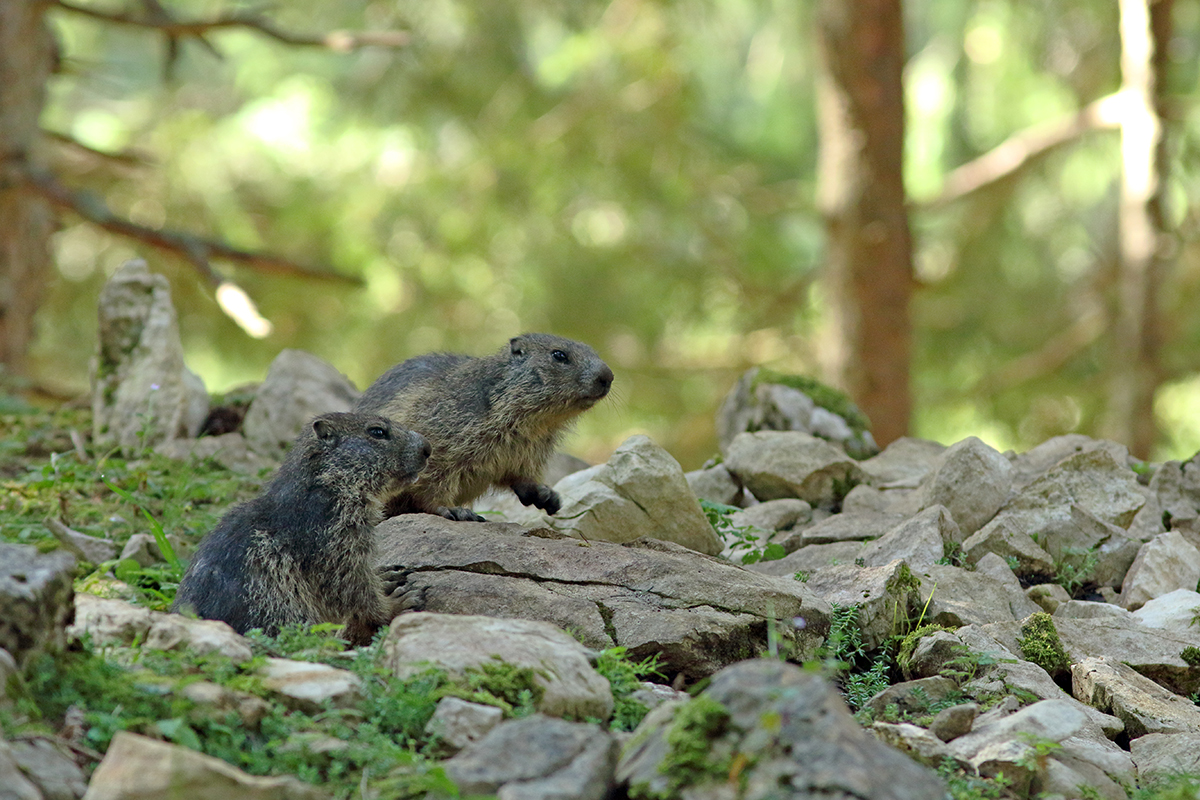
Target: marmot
(492, 421)
(302, 551)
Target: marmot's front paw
(539, 495)
(460, 514)
(399, 596)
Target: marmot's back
(491, 421)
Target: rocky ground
(791, 621)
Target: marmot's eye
(560, 356)
(377, 432)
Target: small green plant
(966, 664)
(971, 787)
(860, 687)
(1040, 644)
(1040, 748)
(1075, 567)
(625, 677)
(801, 576)
(1191, 656)
(745, 538)
(1013, 562)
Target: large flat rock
(696, 612)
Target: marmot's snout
(601, 382)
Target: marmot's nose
(604, 381)
(423, 445)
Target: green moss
(908, 644)
(1191, 655)
(824, 396)
(1040, 644)
(625, 677)
(509, 687)
(689, 739)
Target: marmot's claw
(460, 514)
(539, 495)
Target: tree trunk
(861, 194)
(1144, 245)
(26, 60)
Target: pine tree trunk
(1144, 244)
(26, 221)
(861, 194)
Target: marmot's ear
(324, 429)
(515, 347)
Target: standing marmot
(492, 421)
(302, 551)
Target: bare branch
(129, 158)
(195, 249)
(1025, 148)
(341, 41)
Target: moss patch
(824, 396)
(690, 738)
(1040, 644)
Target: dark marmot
(492, 421)
(302, 551)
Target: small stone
(1048, 595)
(714, 484)
(972, 481)
(55, 773)
(298, 386)
(950, 723)
(309, 687)
(776, 464)
(1165, 563)
(458, 722)
(36, 593)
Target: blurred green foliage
(635, 174)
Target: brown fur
(302, 551)
(491, 421)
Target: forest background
(980, 217)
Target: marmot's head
(365, 451)
(553, 374)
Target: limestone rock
(1161, 755)
(142, 393)
(1165, 563)
(1004, 539)
(14, 785)
(972, 481)
(903, 464)
(1140, 703)
(1152, 652)
(844, 527)
(921, 541)
(92, 549)
(714, 484)
(775, 464)
(1090, 484)
(1034, 463)
(763, 400)
(52, 771)
(919, 744)
(116, 622)
(137, 767)
(1002, 746)
(1048, 595)
(877, 591)
(457, 722)
(35, 600)
(456, 643)
(1089, 609)
(308, 687)
(1031, 678)
(640, 491)
(1177, 487)
(537, 758)
(143, 548)
(1177, 611)
(230, 450)
(697, 613)
(8, 671)
(794, 730)
(911, 696)
(298, 386)
(774, 515)
(953, 722)
(809, 559)
(957, 597)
